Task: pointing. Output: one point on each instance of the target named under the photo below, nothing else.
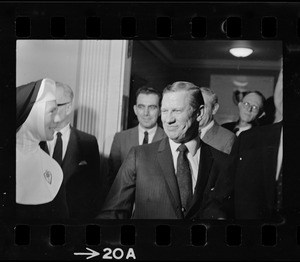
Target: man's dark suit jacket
(147, 179)
(256, 152)
(82, 178)
(122, 143)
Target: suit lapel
(70, 160)
(205, 164)
(134, 138)
(159, 134)
(165, 160)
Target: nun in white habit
(40, 192)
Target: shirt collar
(241, 129)
(64, 130)
(193, 145)
(150, 131)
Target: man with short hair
(210, 131)
(147, 110)
(178, 177)
(251, 108)
(78, 154)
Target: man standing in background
(210, 132)
(259, 167)
(78, 155)
(147, 110)
(251, 108)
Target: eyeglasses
(63, 104)
(250, 107)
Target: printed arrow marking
(91, 255)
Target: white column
(103, 79)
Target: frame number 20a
(108, 253)
(118, 253)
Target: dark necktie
(145, 141)
(184, 178)
(279, 191)
(57, 153)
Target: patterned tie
(184, 178)
(145, 141)
(57, 153)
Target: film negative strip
(105, 52)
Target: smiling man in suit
(78, 154)
(147, 110)
(177, 177)
(210, 131)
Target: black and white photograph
(164, 131)
(149, 129)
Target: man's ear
(134, 109)
(215, 109)
(69, 108)
(200, 113)
(240, 105)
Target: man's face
(63, 111)
(178, 117)
(49, 122)
(147, 110)
(208, 111)
(250, 107)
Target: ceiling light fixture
(241, 51)
(240, 84)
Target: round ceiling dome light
(240, 84)
(241, 51)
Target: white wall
(55, 59)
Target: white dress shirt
(193, 156)
(65, 136)
(241, 129)
(151, 133)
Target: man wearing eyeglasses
(78, 155)
(259, 178)
(251, 108)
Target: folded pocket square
(82, 163)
